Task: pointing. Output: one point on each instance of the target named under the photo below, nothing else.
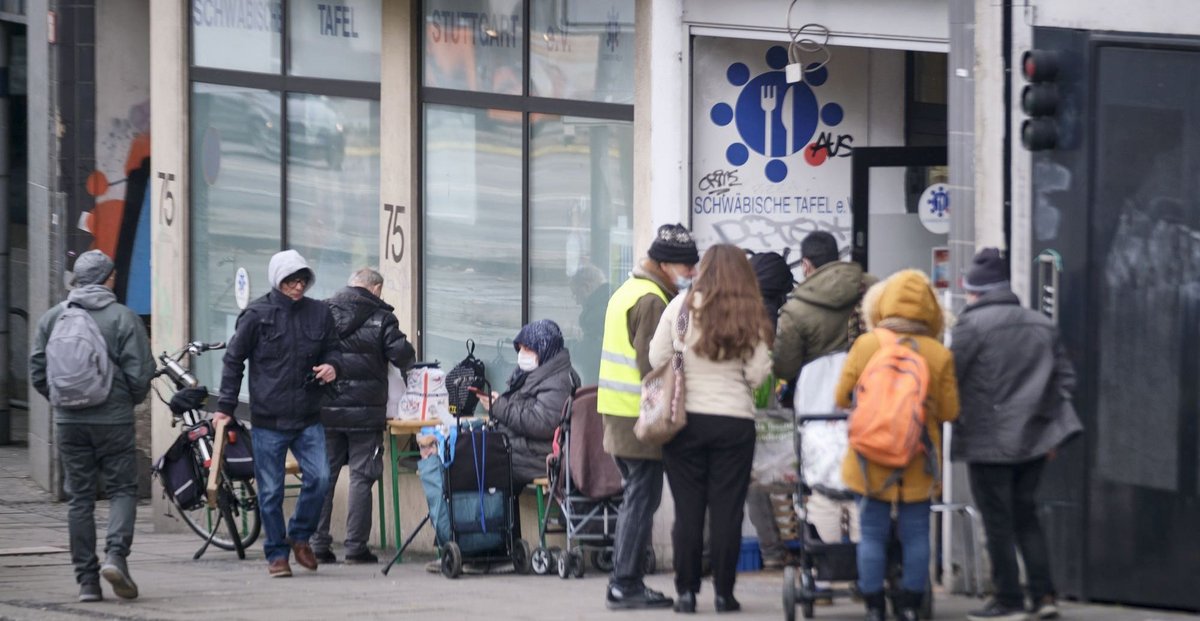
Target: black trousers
(1005, 494)
(708, 467)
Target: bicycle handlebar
(198, 347)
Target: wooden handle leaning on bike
(218, 457)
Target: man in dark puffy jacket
(356, 418)
(99, 439)
(1015, 384)
(292, 344)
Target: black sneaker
(362, 558)
(1045, 608)
(116, 571)
(90, 592)
(325, 557)
(995, 611)
(644, 597)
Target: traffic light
(1040, 100)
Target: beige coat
(723, 388)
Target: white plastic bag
(774, 453)
(426, 397)
(396, 391)
(822, 443)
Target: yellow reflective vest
(620, 380)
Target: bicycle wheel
(244, 512)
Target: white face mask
(682, 282)
(527, 361)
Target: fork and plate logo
(774, 119)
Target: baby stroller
(585, 485)
(478, 490)
(834, 561)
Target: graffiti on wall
(119, 220)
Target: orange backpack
(887, 420)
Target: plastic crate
(751, 558)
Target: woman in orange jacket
(907, 307)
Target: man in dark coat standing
(291, 344)
(1015, 385)
(356, 419)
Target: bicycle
(234, 524)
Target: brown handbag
(661, 412)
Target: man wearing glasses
(292, 344)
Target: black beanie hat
(987, 272)
(674, 244)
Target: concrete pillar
(399, 154)
(169, 97)
(5, 128)
(660, 120)
(961, 144)
(47, 224)
(398, 249)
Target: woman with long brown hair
(726, 354)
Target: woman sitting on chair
(530, 409)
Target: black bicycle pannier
(182, 480)
(239, 452)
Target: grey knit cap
(92, 268)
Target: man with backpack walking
(900, 382)
(91, 358)
(356, 419)
(291, 342)
(1015, 383)
(629, 324)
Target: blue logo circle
(831, 114)
(815, 74)
(738, 74)
(776, 171)
(737, 154)
(721, 114)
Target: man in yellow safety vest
(632, 317)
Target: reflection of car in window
(315, 130)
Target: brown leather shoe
(279, 568)
(304, 555)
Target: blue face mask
(682, 282)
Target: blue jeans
(912, 528)
(270, 456)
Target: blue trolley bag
(479, 485)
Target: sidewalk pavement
(36, 581)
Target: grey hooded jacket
(530, 411)
(1014, 383)
(283, 340)
(125, 334)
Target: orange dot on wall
(814, 155)
(97, 183)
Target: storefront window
(474, 45)
(235, 185)
(472, 236)
(581, 211)
(335, 40)
(247, 36)
(582, 50)
(527, 195)
(333, 186)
